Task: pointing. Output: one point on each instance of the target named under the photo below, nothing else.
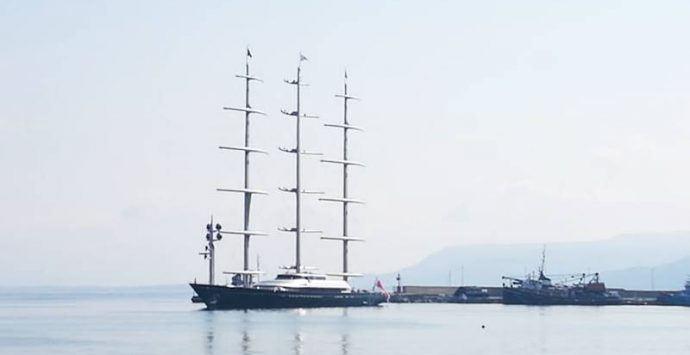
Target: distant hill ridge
(632, 261)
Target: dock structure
(345, 199)
(494, 294)
(247, 191)
(298, 152)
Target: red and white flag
(380, 286)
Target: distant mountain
(670, 276)
(637, 261)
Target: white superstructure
(304, 282)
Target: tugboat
(679, 298)
(584, 289)
(297, 286)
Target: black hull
(225, 297)
(547, 298)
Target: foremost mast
(246, 275)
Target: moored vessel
(582, 289)
(298, 286)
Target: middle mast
(297, 190)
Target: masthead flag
(249, 53)
(302, 57)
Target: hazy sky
(486, 122)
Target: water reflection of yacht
(210, 333)
(298, 346)
(345, 335)
(299, 341)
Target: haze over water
(163, 321)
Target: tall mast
(345, 200)
(298, 191)
(246, 191)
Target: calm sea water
(163, 321)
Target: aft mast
(297, 190)
(345, 199)
(246, 191)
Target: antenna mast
(212, 235)
(298, 191)
(247, 192)
(543, 260)
(345, 200)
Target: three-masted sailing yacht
(298, 286)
